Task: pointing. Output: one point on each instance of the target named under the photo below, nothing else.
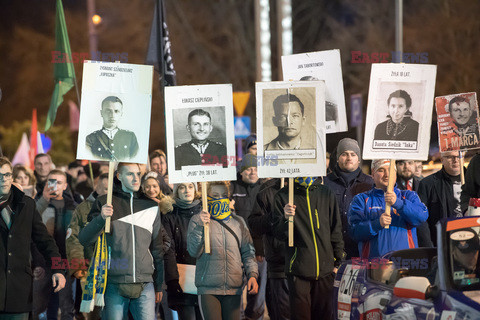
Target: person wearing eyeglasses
(440, 192)
(20, 225)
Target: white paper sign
(200, 137)
(115, 112)
(291, 129)
(321, 65)
(399, 111)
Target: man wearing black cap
(348, 180)
(244, 192)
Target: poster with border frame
(210, 110)
(129, 86)
(458, 122)
(321, 65)
(306, 155)
(406, 136)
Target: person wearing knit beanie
(347, 180)
(348, 144)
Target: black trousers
(311, 299)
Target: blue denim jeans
(117, 306)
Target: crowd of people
(57, 259)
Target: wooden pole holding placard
(111, 171)
(391, 184)
(290, 218)
(206, 227)
(461, 159)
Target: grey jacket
(221, 271)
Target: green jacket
(78, 256)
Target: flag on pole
(33, 138)
(159, 48)
(22, 156)
(64, 73)
(74, 116)
(40, 143)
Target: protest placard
(321, 65)
(200, 136)
(115, 112)
(399, 111)
(290, 129)
(457, 119)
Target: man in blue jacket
(367, 218)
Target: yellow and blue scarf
(94, 290)
(305, 181)
(219, 209)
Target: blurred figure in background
(158, 164)
(26, 179)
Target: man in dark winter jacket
(56, 207)
(20, 225)
(261, 228)
(346, 181)
(318, 249)
(135, 246)
(440, 192)
(244, 192)
(406, 180)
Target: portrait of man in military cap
(110, 142)
(200, 149)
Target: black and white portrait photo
(326, 66)
(200, 137)
(399, 124)
(292, 120)
(291, 126)
(205, 130)
(399, 111)
(115, 112)
(111, 142)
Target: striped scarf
(305, 181)
(94, 290)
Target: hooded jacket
(135, 241)
(364, 220)
(318, 242)
(221, 272)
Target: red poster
(457, 117)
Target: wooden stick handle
(462, 174)
(111, 171)
(391, 184)
(206, 227)
(290, 219)
(282, 182)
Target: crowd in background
(337, 217)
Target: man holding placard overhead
(318, 248)
(367, 218)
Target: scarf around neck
(182, 204)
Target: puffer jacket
(135, 242)
(364, 219)
(221, 272)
